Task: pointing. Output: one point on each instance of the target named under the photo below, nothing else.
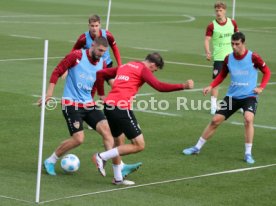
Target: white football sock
(248, 148)
(117, 172)
(213, 102)
(53, 158)
(109, 154)
(200, 143)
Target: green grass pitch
(176, 28)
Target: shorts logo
(250, 108)
(76, 124)
(215, 72)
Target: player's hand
(208, 56)
(64, 75)
(258, 90)
(39, 102)
(206, 90)
(189, 84)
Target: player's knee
(216, 121)
(248, 120)
(79, 138)
(140, 146)
(103, 128)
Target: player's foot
(99, 162)
(122, 182)
(191, 150)
(249, 159)
(129, 168)
(213, 110)
(50, 168)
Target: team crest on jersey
(215, 72)
(76, 124)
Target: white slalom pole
(234, 9)
(108, 15)
(42, 122)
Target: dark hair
(155, 58)
(238, 36)
(94, 18)
(101, 41)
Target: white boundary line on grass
(132, 58)
(159, 113)
(12, 198)
(172, 62)
(255, 125)
(162, 182)
(25, 37)
(149, 49)
(187, 20)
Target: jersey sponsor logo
(76, 124)
(84, 87)
(240, 73)
(239, 84)
(89, 78)
(224, 35)
(122, 77)
(133, 66)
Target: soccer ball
(70, 163)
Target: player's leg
(249, 107)
(214, 98)
(74, 121)
(228, 107)
(118, 165)
(214, 92)
(122, 121)
(127, 169)
(103, 129)
(206, 135)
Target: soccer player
(129, 78)
(242, 65)
(85, 40)
(77, 102)
(220, 31)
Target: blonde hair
(94, 18)
(220, 4)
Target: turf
(156, 24)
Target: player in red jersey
(129, 78)
(85, 40)
(242, 65)
(220, 31)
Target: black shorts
(122, 121)
(75, 116)
(217, 68)
(229, 106)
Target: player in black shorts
(243, 91)
(76, 116)
(77, 102)
(230, 105)
(122, 121)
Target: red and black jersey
(129, 78)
